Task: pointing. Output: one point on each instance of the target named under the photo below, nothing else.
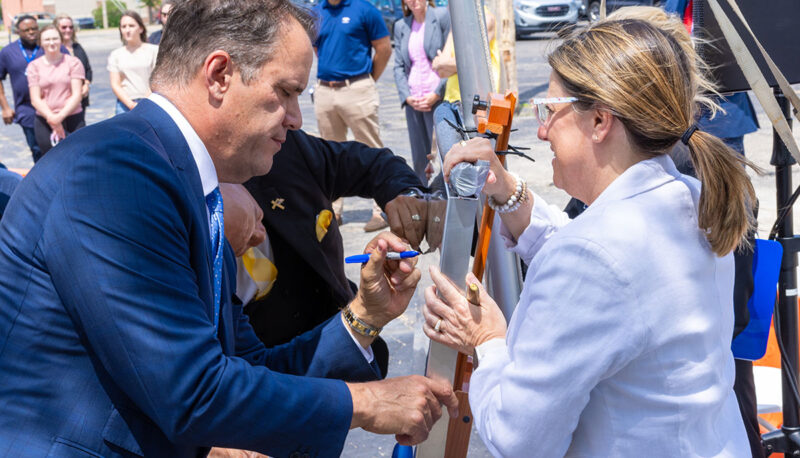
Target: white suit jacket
(620, 344)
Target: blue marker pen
(363, 258)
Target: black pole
(787, 439)
(787, 283)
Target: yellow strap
(261, 270)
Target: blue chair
(751, 343)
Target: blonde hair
(644, 75)
(74, 27)
(671, 23)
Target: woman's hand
(463, 325)
(55, 118)
(54, 121)
(413, 102)
(499, 183)
(427, 101)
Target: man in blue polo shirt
(14, 59)
(346, 96)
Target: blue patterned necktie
(217, 226)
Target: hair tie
(688, 134)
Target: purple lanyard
(28, 59)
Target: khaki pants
(354, 106)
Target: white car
(544, 15)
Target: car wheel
(594, 11)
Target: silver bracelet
(513, 203)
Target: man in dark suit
(118, 336)
(306, 177)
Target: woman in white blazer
(620, 343)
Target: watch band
(358, 325)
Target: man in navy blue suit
(118, 335)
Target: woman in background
(130, 66)
(418, 38)
(69, 39)
(55, 82)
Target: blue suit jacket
(107, 343)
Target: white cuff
(545, 221)
(367, 352)
(489, 347)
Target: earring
(594, 137)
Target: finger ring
(462, 143)
(438, 326)
(415, 217)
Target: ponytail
(727, 197)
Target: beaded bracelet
(358, 325)
(515, 201)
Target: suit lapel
(408, 20)
(175, 149)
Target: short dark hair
(167, 2)
(26, 17)
(246, 29)
(135, 16)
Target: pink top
(55, 81)
(422, 80)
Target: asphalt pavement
(407, 344)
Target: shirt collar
(641, 177)
(22, 43)
(208, 173)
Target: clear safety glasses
(543, 111)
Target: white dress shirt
(208, 173)
(620, 344)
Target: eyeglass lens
(542, 113)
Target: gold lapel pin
(278, 203)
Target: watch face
(412, 192)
